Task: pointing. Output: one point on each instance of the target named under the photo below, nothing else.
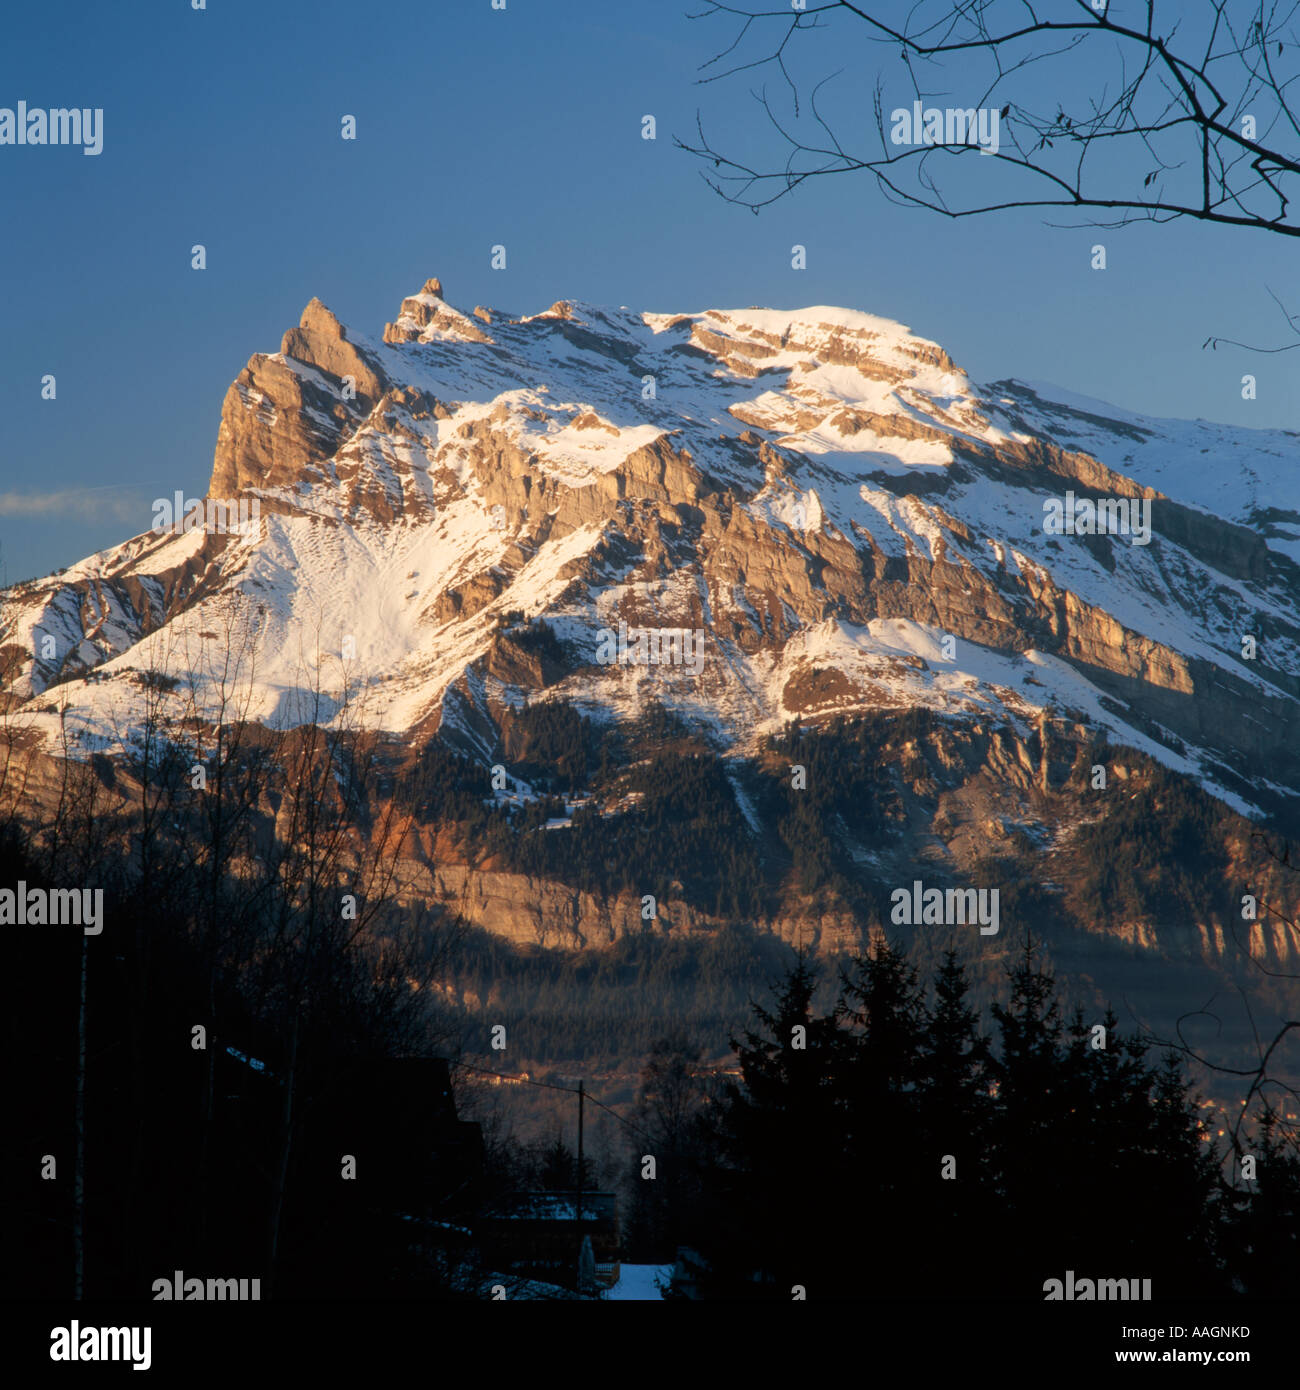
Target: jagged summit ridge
(820, 492)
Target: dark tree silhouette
(900, 1145)
(779, 1125)
(669, 1126)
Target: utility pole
(79, 1167)
(582, 1114)
(580, 1111)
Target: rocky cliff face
(455, 520)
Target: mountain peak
(796, 481)
(321, 341)
(317, 315)
(291, 410)
(427, 317)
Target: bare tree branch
(1200, 124)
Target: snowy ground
(636, 1283)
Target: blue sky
(478, 126)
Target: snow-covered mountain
(847, 519)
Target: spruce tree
(773, 1226)
(1262, 1226)
(955, 1115)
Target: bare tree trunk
(79, 1164)
(282, 1167)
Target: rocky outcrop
(540, 912)
(279, 423)
(426, 315)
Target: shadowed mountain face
(731, 521)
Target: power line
(551, 1086)
(507, 1076)
(620, 1119)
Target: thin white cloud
(80, 504)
